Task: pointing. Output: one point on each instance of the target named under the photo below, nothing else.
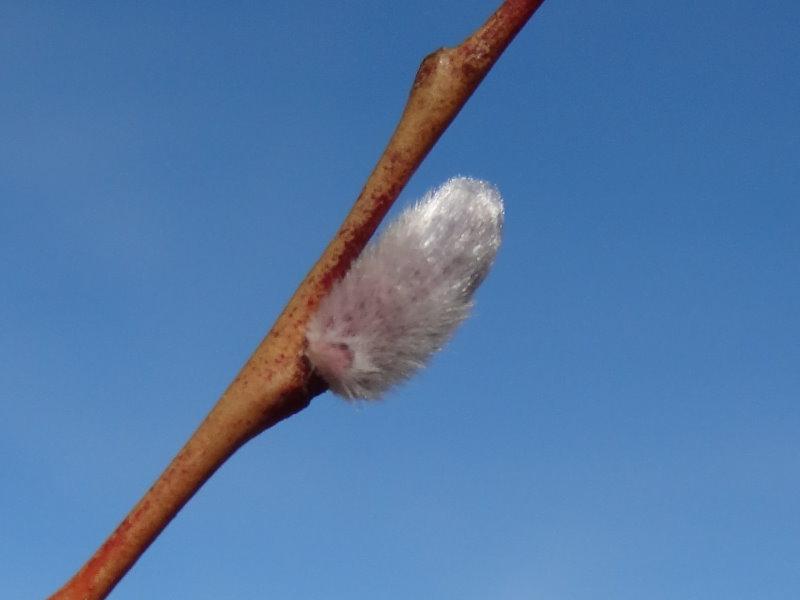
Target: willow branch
(276, 382)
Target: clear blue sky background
(619, 420)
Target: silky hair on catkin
(403, 298)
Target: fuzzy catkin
(403, 298)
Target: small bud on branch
(408, 291)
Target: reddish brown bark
(275, 381)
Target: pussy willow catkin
(403, 298)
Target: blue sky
(619, 419)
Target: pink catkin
(403, 298)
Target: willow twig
(276, 382)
